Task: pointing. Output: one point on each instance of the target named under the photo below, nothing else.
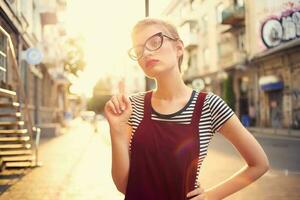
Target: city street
(76, 166)
(63, 64)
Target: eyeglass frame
(145, 47)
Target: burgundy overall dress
(164, 156)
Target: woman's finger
(126, 100)
(199, 197)
(121, 102)
(116, 103)
(194, 192)
(111, 106)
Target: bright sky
(105, 26)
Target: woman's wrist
(118, 129)
(210, 195)
(120, 133)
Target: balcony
(232, 59)
(48, 18)
(190, 41)
(188, 30)
(233, 15)
(190, 73)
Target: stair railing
(11, 50)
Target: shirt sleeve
(131, 116)
(220, 112)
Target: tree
(228, 93)
(74, 60)
(101, 94)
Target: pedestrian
(160, 137)
(276, 114)
(252, 114)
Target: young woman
(160, 137)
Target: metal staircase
(17, 148)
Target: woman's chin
(156, 71)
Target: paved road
(76, 166)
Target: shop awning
(270, 83)
(272, 86)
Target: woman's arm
(250, 150)
(120, 157)
(118, 111)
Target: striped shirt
(215, 113)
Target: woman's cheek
(141, 64)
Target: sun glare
(105, 27)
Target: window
(3, 58)
(226, 46)
(26, 10)
(24, 75)
(37, 29)
(185, 10)
(194, 27)
(204, 23)
(239, 3)
(206, 54)
(220, 9)
(219, 49)
(241, 40)
(193, 60)
(195, 5)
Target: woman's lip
(151, 62)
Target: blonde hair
(168, 26)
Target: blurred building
(251, 45)
(273, 37)
(31, 30)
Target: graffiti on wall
(276, 31)
(281, 22)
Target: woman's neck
(171, 87)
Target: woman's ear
(180, 48)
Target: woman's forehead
(143, 33)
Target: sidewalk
(76, 166)
(280, 132)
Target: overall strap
(198, 108)
(147, 104)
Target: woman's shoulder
(209, 95)
(137, 96)
(214, 101)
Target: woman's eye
(154, 42)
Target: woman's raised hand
(117, 111)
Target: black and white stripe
(215, 113)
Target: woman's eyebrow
(141, 44)
(148, 38)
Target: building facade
(251, 46)
(35, 24)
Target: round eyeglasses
(153, 43)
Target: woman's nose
(147, 53)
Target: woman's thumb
(126, 100)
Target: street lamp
(149, 82)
